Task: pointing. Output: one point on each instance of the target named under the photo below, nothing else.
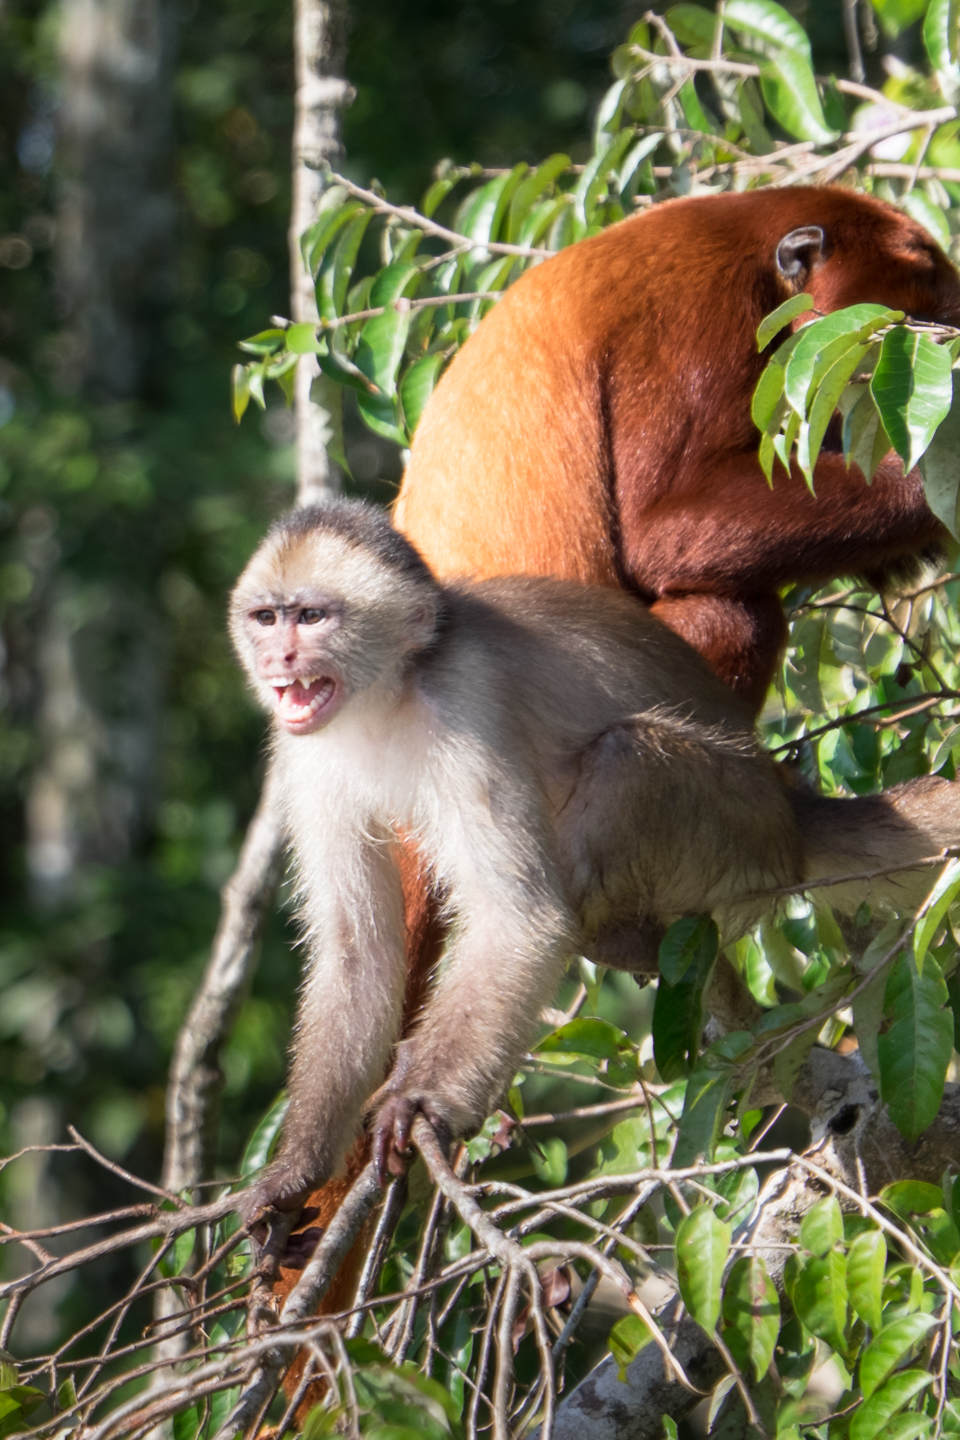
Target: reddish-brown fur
(597, 425)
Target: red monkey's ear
(798, 251)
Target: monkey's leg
(512, 940)
(666, 819)
(348, 1020)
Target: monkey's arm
(513, 935)
(349, 1012)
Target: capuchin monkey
(573, 772)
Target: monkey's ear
(421, 626)
(798, 251)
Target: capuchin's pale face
(307, 647)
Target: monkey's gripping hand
(282, 1186)
(391, 1131)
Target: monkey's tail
(874, 840)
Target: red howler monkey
(576, 778)
(597, 426)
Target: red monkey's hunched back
(597, 425)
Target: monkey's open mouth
(302, 704)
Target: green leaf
(921, 208)
(380, 350)
(702, 1245)
(337, 267)
(687, 952)
(593, 181)
(392, 282)
(635, 157)
(866, 1259)
(808, 356)
(186, 1423)
(263, 344)
(915, 1051)
(888, 1348)
(692, 24)
(940, 467)
(907, 1198)
(820, 1298)
(416, 387)
(627, 1338)
(597, 1039)
(529, 191)
(942, 896)
(867, 1008)
(771, 325)
(239, 391)
(261, 1143)
(690, 943)
(333, 212)
(825, 403)
(912, 388)
(302, 339)
(751, 1314)
(750, 106)
(941, 29)
(380, 415)
(704, 1109)
(790, 91)
(822, 1226)
(875, 1413)
(896, 15)
(480, 214)
(769, 24)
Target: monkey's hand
(391, 1131)
(282, 1186)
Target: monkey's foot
(391, 1132)
(280, 1187)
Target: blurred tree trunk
(320, 55)
(116, 214)
(100, 661)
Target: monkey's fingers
(391, 1135)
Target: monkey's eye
(265, 617)
(311, 617)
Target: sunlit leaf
(871, 1417)
(627, 1338)
(921, 208)
(529, 191)
(822, 1226)
(820, 1298)
(239, 391)
(417, 386)
(337, 267)
(912, 388)
(769, 24)
(302, 339)
(866, 1259)
(896, 15)
(888, 1348)
(790, 91)
(915, 1051)
(941, 29)
(703, 1243)
(771, 325)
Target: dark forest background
(144, 192)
